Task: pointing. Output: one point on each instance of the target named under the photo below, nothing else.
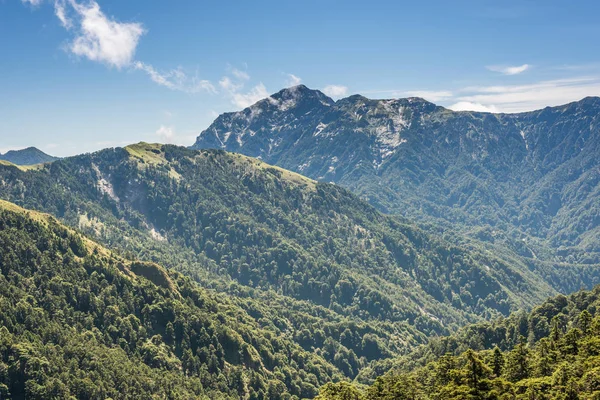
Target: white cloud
(578, 67)
(60, 10)
(335, 90)
(102, 39)
(34, 3)
(430, 95)
(509, 70)
(229, 86)
(293, 80)
(176, 79)
(243, 100)
(166, 134)
(468, 106)
(242, 75)
(518, 98)
(233, 88)
(512, 98)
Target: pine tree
(585, 322)
(476, 370)
(444, 369)
(497, 362)
(517, 362)
(545, 359)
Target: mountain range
(310, 260)
(533, 176)
(28, 156)
(381, 226)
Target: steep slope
(77, 320)
(343, 280)
(28, 156)
(551, 353)
(534, 176)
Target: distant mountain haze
(534, 176)
(28, 156)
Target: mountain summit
(256, 127)
(28, 156)
(517, 172)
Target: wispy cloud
(518, 98)
(509, 70)
(507, 98)
(227, 84)
(239, 74)
(578, 67)
(335, 90)
(60, 10)
(243, 100)
(430, 95)
(233, 87)
(293, 80)
(166, 134)
(100, 38)
(34, 3)
(176, 79)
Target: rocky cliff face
(533, 174)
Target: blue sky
(78, 75)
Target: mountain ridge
(129, 328)
(27, 157)
(517, 172)
(312, 255)
(344, 285)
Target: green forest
(551, 353)
(213, 275)
(526, 180)
(78, 321)
(299, 200)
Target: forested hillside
(529, 181)
(551, 353)
(343, 281)
(79, 321)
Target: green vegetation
(305, 259)
(551, 353)
(78, 321)
(527, 181)
(176, 273)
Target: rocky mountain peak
(298, 97)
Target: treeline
(558, 359)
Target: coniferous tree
(517, 362)
(497, 362)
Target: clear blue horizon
(78, 76)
